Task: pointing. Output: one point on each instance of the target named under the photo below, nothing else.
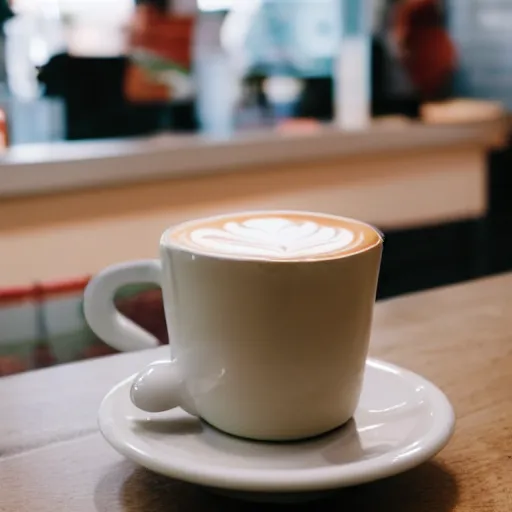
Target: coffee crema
(275, 236)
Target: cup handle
(101, 314)
(160, 387)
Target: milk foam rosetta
(275, 236)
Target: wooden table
(52, 457)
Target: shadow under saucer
(429, 487)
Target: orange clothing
(168, 38)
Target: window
(215, 5)
(104, 8)
(112, 9)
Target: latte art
(274, 236)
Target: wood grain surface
(53, 459)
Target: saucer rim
(302, 480)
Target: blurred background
(119, 118)
(76, 64)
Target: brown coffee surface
(274, 236)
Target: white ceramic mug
(263, 347)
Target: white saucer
(402, 420)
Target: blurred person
(109, 96)
(425, 49)
(392, 90)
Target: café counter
(69, 209)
